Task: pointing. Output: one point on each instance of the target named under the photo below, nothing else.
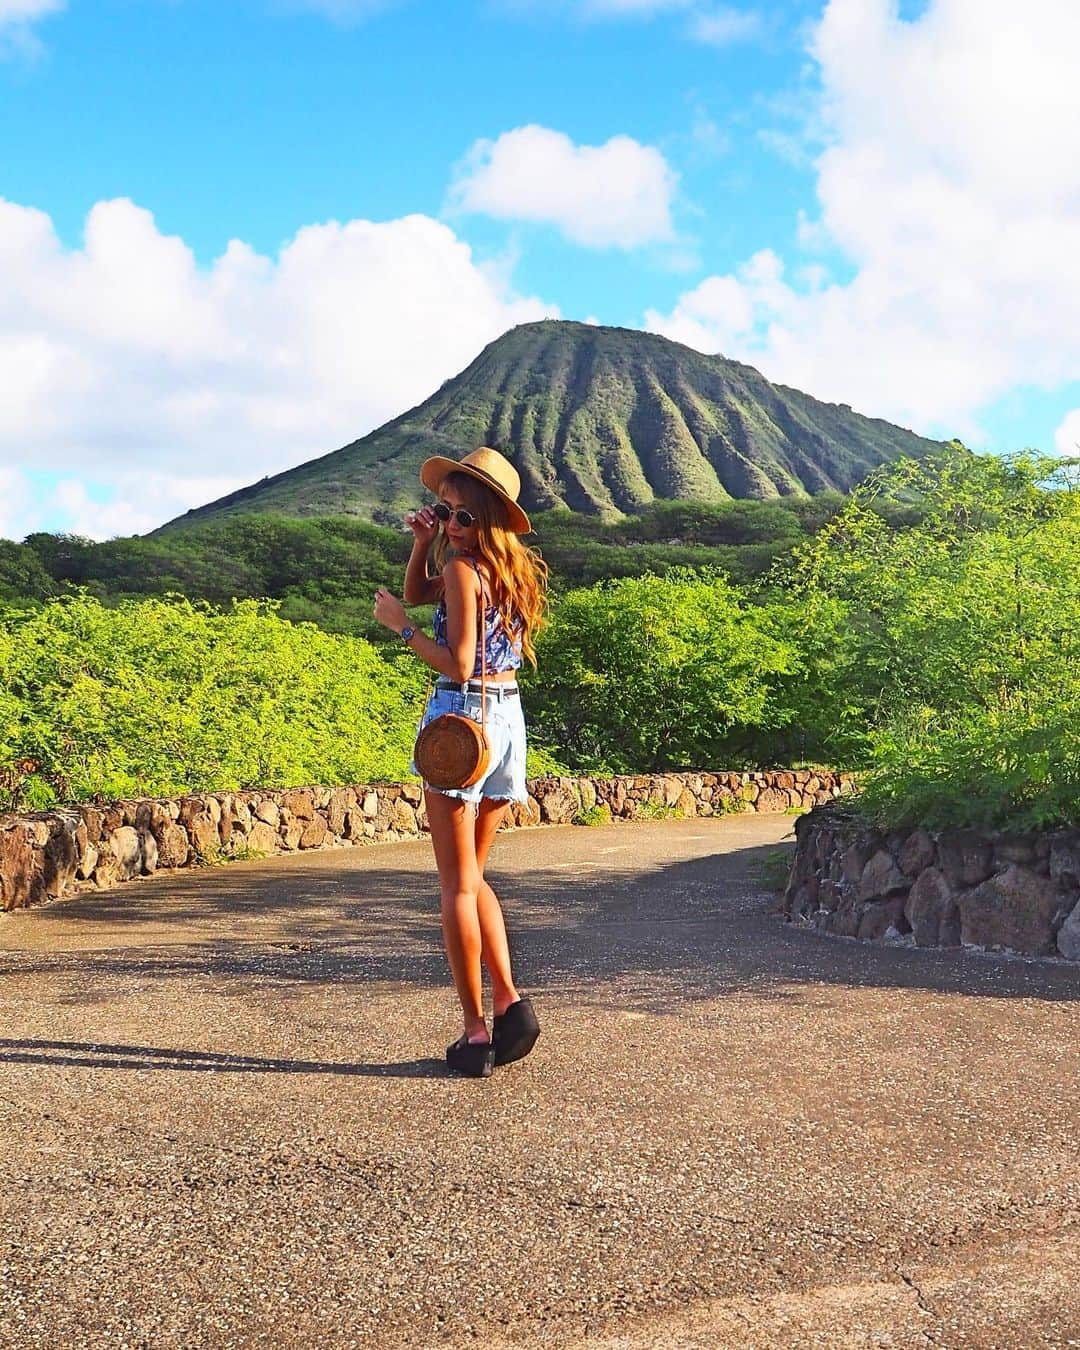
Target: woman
(483, 565)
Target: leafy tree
(654, 672)
(22, 576)
(941, 658)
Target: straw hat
(492, 469)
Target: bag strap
(481, 636)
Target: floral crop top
(502, 650)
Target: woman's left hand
(389, 610)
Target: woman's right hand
(423, 523)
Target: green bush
(542, 762)
(656, 810)
(943, 659)
(599, 814)
(323, 569)
(928, 636)
(654, 673)
(158, 697)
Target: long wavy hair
(519, 575)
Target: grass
(772, 871)
(593, 815)
(656, 810)
(218, 855)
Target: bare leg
(496, 948)
(452, 835)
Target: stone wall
(51, 854)
(957, 888)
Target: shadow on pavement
(594, 931)
(84, 1054)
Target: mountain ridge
(599, 420)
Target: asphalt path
(225, 1118)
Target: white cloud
(127, 364)
(26, 11)
(713, 17)
(634, 8)
(17, 17)
(618, 194)
(715, 24)
(951, 184)
(716, 314)
(707, 138)
(135, 501)
(1067, 436)
(724, 25)
(17, 518)
(344, 12)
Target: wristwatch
(407, 632)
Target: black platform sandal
(514, 1033)
(474, 1060)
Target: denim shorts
(505, 725)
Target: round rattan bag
(452, 751)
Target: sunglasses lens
(465, 519)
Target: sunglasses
(465, 519)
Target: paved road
(225, 1120)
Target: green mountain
(600, 420)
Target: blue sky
(234, 236)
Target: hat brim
(434, 470)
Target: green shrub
(943, 659)
(598, 814)
(652, 673)
(542, 762)
(158, 697)
(656, 810)
(928, 636)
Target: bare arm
(462, 597)
(419, 588)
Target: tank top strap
(484, 593)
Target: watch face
(406, 633)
